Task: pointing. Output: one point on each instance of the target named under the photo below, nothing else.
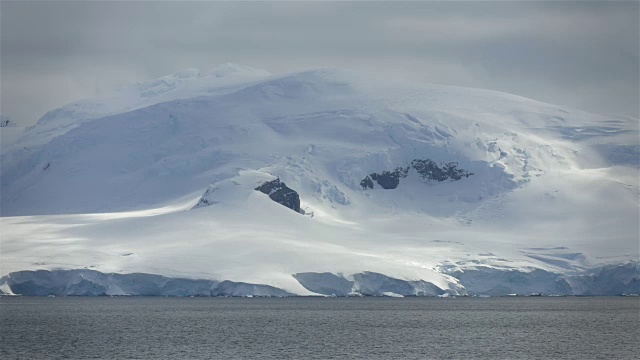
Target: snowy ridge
(183, 84)
(119, 184)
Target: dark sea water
(369, 328)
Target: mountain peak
(454, 179)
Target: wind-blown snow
(108, 183)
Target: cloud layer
(584, 55)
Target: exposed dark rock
(367, 183)
(427, 169)
(390, 179)
(203, 202)
(386, 179)
(205, 198)
(280, 193)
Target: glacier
(495, 193)
(609, 280)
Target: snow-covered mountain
(303, 180)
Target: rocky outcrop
(427, 169)
(206, 198)
(367, 183)
(280, 193)
(386, 179)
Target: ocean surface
(319, 328)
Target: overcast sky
(582, 54)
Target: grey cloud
(580, 54)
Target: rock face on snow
(386, 179)
(280, 193)
(430, 171)
(206, 198)
(427, 169)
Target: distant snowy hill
(10, 132)
(410, 181)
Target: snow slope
(110, 184)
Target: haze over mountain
(321, 182)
